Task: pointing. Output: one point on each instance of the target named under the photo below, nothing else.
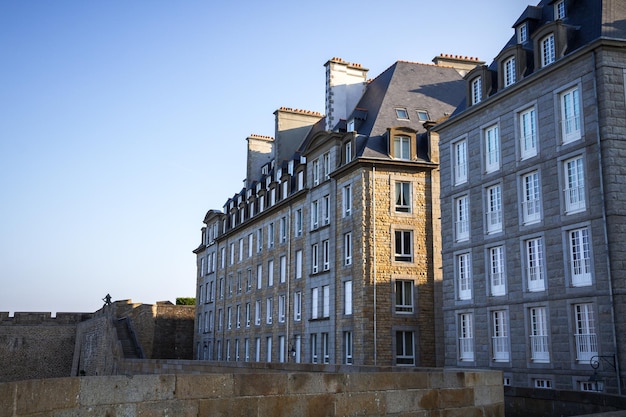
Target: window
(570, 115)
(547, 50)
(316, 172)
(257, 313)
(250, 244)
(259, 240)
(574, 185)
(579, 257)
(269, 305)
(285, 187)
(403, 246)
(347, 200)
(461, 220)
(314, 258)
(403, 197)
(534, 264)
(476, 89)
(246, 349)
(542, 383)
(270, 235)
(239, 282)
(248, 314)
(492, 149)
(221, 287)
(283, 229)
(313, 348)
(497, 276)
(347, 152)
(326, 255)
(531, 200)
(232, 254)
(300, 179)
(326, 162)
(298, 222)
(460, 162)
(559, 10)
(229, 318)
(298, 264)
(220, 319)
(259, 276)
(315, 302)
(466, 337)
(586, 338)
(315, 215)
(539, 351)
(261, 203)
(283, 269)
(423, 116)
(500, 338)
(405, 352)
(268, 354)
(270, 273)
(347, 298)
(240, 250)
(326, 301)
(238, 316)
(404, 296)
(326, 209)
(494, 209)
(464, 276)
(402, 147)
(257, 349)
(281, 308)
(281, 349)
(249, 279)
(522, 33)
(402, 114)
(326, 347)
(528, 133)
(347, 342)
(347, 248)
(509, 72)
(297, 306)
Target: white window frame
(347, 200)
(283, 269)
(268, 353)
(259, 239)
(463, 265)
(347, 298)
(497, 270)
(500, 336)
(347, 152)
(522, 33)
(281, 308)
(476, 86)
(466, 337)
(315, 258)
(299, 264)
(403, 245)
(248, 314)
(528, 133)
(257, 312)
(325, 348)
(259, 276)
(402, 197)
(559, 10)
(325, 301)
(402, 147)
(347, 248)
(326, 209)
(403, 291)
(315, 214)
(571, 126)
(510, 75)
(250, 245)
(494, 213)
(326, 255)
(539, 342)
(314, 347)
(316, 172)
(282, 229)
(405, 348)
(326, 165)
(270, 235)
(297, 306)
(548, 55)
(298, 223)
(492, 148)
(459, 150)
(269, 306)
(535, 269)
(270, 273)
(574, 179)
(315, 303)
(348, 344)
(531, 198)
(586, 339)
(461, 218)
(579, 248)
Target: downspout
(374, 255)
(288, 278)
(606, 236)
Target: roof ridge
(307, 112)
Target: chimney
(292, 127)
(345, 84)
(260, 152)
(463, 64)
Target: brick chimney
(260, 152)
(345, 84)
(463, 64)
(292, 127)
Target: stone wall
(428, 393)
(37, 345)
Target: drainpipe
(606, 237)
(288, 278)
(374, 256)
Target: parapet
(38, 318)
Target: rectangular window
(283, 269)
(300, 180)
(314, 258)
(404, 296)
(220, 319)
(347, 298)
(232, 254)
(270, 235)
(539, 348)
(315, 302)
(509, 72)
(464, 276)
(257, 312)
(229, 319)
(257, 349)
(542, 383)
(531, 203)
(238, 316)
(314, 348)
(259, 240)
(281, 308)
(297, 306)
(586, 338)
(528, 133)
(500, 338)
(248, 314)
(466, 337)
(347, 200)
(315, 207)
(283, 229)
(281, 349)
(580, 257)
(316, 172)
(268, 354)
(298, 264)
(325, 347)
(570, 115)
(347, 248)
(326, 255)
(298, 222)
(326, 209)
(402, 147)
(240, 250)
(269, 306)
(347, 152)
(347, 342)
(239, 282)
(461, 220)
(250, 244)
(403, 197)
(460, 162)
(270, 273)
(259, 276)
(547, 50)
(249, 279)
(285, 189)
(574, 185)
(534, 264)
(326, 162)
(494, 209)
(403, 246)
(223, 258)
(559, 10)
(246, 349)
(221, 287)
(477, 90)
(497, 277)
(326, 301)
(492, 149)
(405, 352)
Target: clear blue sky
(123, 122)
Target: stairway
(127, 339)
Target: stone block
(41, 395)
(259, 384)
(368, 404)
(123, 389)
(486, 395)
(227, 407)
(401, 401)
(204, 386)
(118, 410)
(453, 398)
(7, 399)
(311, 383)
(167, 408)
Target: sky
(122, 123)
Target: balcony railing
(586, 346)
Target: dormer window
(477, 90)
(402, 143)
(347, 147)
(350, 126)
(559, 10)
(509, 72)
(402, 114)
(402, 147)
(547, 50)
(422, 115)
(522, 33)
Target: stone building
(532, 203)
(329, 252)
